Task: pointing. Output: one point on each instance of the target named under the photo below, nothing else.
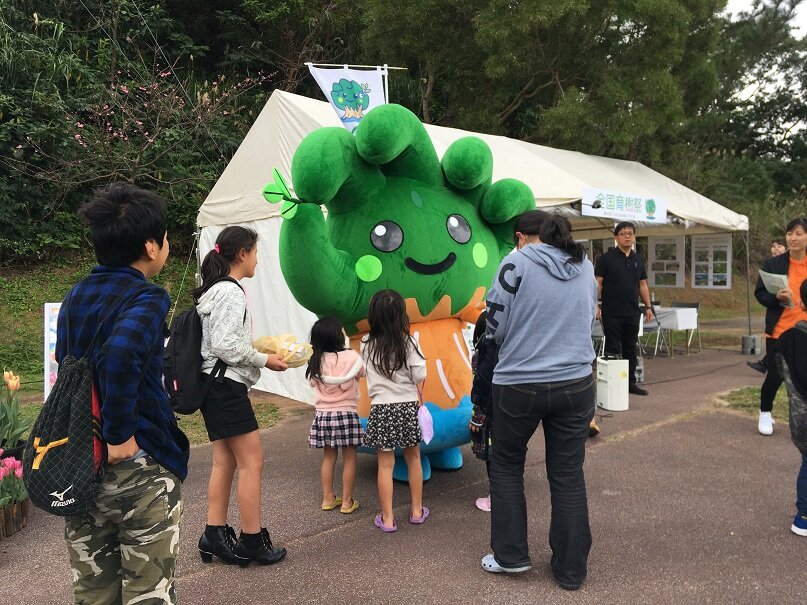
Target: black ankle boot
(258, 548)
(219, 540)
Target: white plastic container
(612, 384)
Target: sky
(800, 22)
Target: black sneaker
(637, 390)
(758, 366)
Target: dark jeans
(773, 380)
(621, 334)
(566, 409)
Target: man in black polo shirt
(622, 278)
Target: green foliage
(162, 93)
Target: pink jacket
(338, 390)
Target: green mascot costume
(399, 218)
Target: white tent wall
(556, 177)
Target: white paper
(775, 282)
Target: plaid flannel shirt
(127, 359)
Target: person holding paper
(783, 310)
(778, 246)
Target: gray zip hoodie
(540, 312)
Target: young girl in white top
(395, 368)
(227, 410)
(334, 371)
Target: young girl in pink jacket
(334, 371)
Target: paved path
(688, 505)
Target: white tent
(557, 178)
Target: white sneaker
(766, 423)
(483, 504)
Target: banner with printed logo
(51, 367)
(351, 92)
(622, 206)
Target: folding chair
(691, 333)
(598, 338)
(661, 340)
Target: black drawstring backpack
(64, 456)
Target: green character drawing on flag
(352, 98)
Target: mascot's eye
(458, 228)
(386, 236)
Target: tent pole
(748, 276)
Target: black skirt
(227, 410)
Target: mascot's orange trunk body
(439, 334)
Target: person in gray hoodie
(540, 311)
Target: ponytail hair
(552, 230)
(216, 264)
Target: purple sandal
(379, 523)
(419, 520)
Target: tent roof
(557, 177)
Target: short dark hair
(780, 241)
(800, 221)
(624, 225)
(122, 217)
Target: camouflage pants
(125, 549)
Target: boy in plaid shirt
(125, 549)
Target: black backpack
(182, 362)
(64, 456)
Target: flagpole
(345, 65)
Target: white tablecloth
(677, 318)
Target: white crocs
(489, 564)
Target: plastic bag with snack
(285, 346)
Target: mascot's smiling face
(423, 242)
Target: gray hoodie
(540, 312)
(227, 333)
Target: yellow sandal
(347, 511)
(337, 501)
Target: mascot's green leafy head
(397, 218)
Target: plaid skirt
(392, 425)
(335, 429)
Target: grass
(192, 425)
(746, 399)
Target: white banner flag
(351, 92)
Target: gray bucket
(752, 345)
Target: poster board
(665, 260)
(51, 367)
(711, 261)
